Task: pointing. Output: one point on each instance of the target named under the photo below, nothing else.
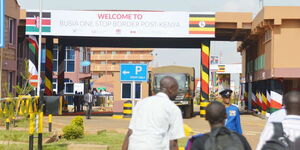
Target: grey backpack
(223, 139)
(279, 140)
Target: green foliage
(26, 88)
(72, 132)
(77, 121)
(75, 129)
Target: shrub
(75, 129)
(77, 121)
(72, 132)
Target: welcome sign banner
(122, 24)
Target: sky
(184, 57)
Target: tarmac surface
(252, 126)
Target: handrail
(15, 98)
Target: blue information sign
(134, 72)
(2, 23)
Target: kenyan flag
(32, 65)
(276, 101)
(32, 22)
(276, 95)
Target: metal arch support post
(205, 63)
(61, 69)
(61, 74)
(49, 67)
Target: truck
(185, 77)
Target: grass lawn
(17, 136)
(25, 147)
(113, 139)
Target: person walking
(220, 138)
(156, 122)
(233, 114)
(88, 99)
(76, 102)
(288, 127)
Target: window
(70, 59)
(138, 91)
(113, 63)
(69, 87)
(10, 81)
(142, 62)
(126, 90)
(103, 62)
(70, 54)
(12, 28)
(129, 52)
(70, 66)
(55, 58)
(113, 52)
(102, 52)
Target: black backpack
(279, 140)
(223, 139)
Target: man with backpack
(282, 135)
(220, 138)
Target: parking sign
(134, 72)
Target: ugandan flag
(221, 68)
(202, 24)
(32, 22)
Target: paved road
(252, 126)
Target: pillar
(61, 69)
(205, 56)
(49, 67)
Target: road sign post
(133, 73)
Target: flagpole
(39, 50)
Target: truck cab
(185, 80)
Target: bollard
(31, 131)
(40, 131)
(127, 109)
(7, 121)
(203, 105)
(50, 122)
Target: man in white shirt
(88, 99)
(290, 123)
(156, 122)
